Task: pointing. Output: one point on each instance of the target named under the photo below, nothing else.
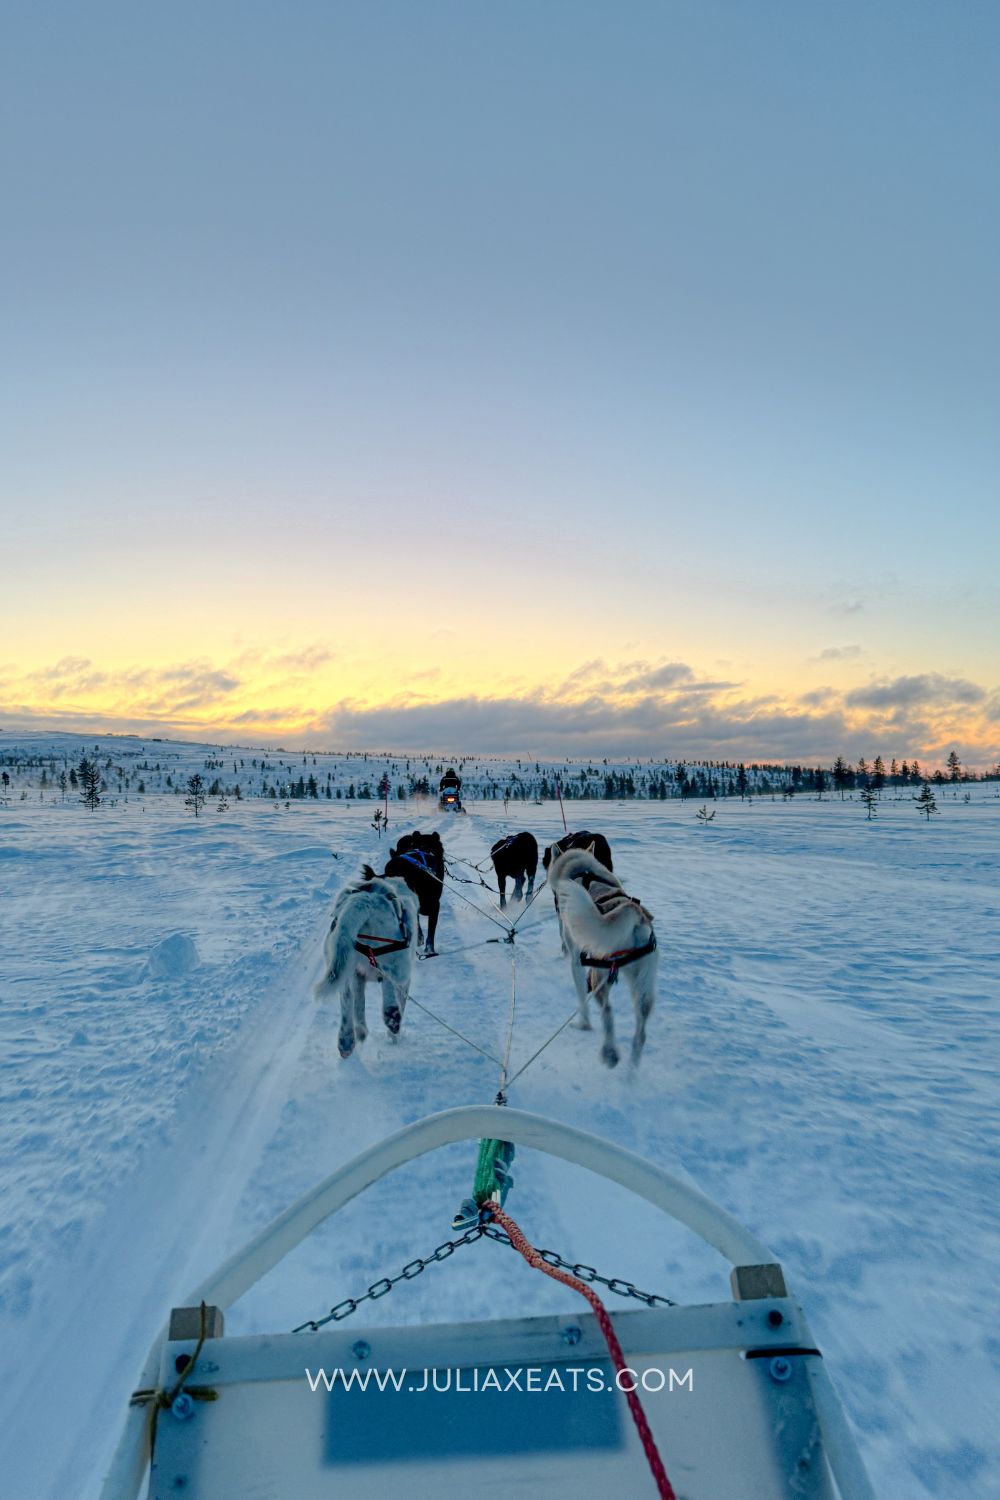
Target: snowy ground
(822, 1062)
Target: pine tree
(840, 773)
(869, 797)
(954, 767)
(89, 778)
(926, 802)
(196, 793)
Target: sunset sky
(558, 378)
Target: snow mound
(173, 956)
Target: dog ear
(592, 848)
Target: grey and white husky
(369, 915)
(600, 920)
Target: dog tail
(367, 873)
(340, 953)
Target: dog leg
(602, 994)
(518, 887)
(432, 922)
(360, 1028)
(393, 1002)
(643, 998)
(502, 885)
(580, 981)
(345, 1041)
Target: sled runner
(735, 1394)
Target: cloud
(148, 694)
(666, 676)
(647, 725)
(658, 708)
(839, 653)
(908, 692)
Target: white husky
(371, 937)
(600, 921)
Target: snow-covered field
(822, 1062)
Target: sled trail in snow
(817, 1062)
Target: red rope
(664, 1488)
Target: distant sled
(737, 1397)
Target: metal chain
(378, 1289)
(614, 1284)
(415, 1268)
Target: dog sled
(734, 1397)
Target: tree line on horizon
(98, 776)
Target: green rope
(492, 1171)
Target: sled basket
(735, 1392)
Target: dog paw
(609, 1055)
(345, 1045)
(582, 1023)
(393, 1020)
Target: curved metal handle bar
(473, 1122)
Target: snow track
(817, 1062)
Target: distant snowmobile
(449, 789)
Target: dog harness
(387, 945)
(615, 961)
(419, 858)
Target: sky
(555, 377)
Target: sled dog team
(605, 932)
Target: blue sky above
(661, 332)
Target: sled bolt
(774, 1318)
(360, 1349)
(781, 1370)
(571, 1335)
(183, 1407)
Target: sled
(735, 1392)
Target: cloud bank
(656, 708)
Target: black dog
(418, 859)
(515, 857)
(581, 840)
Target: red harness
(388, 945)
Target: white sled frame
(748, 1256)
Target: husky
(600, 920)
(594, 843)
(368, 915)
